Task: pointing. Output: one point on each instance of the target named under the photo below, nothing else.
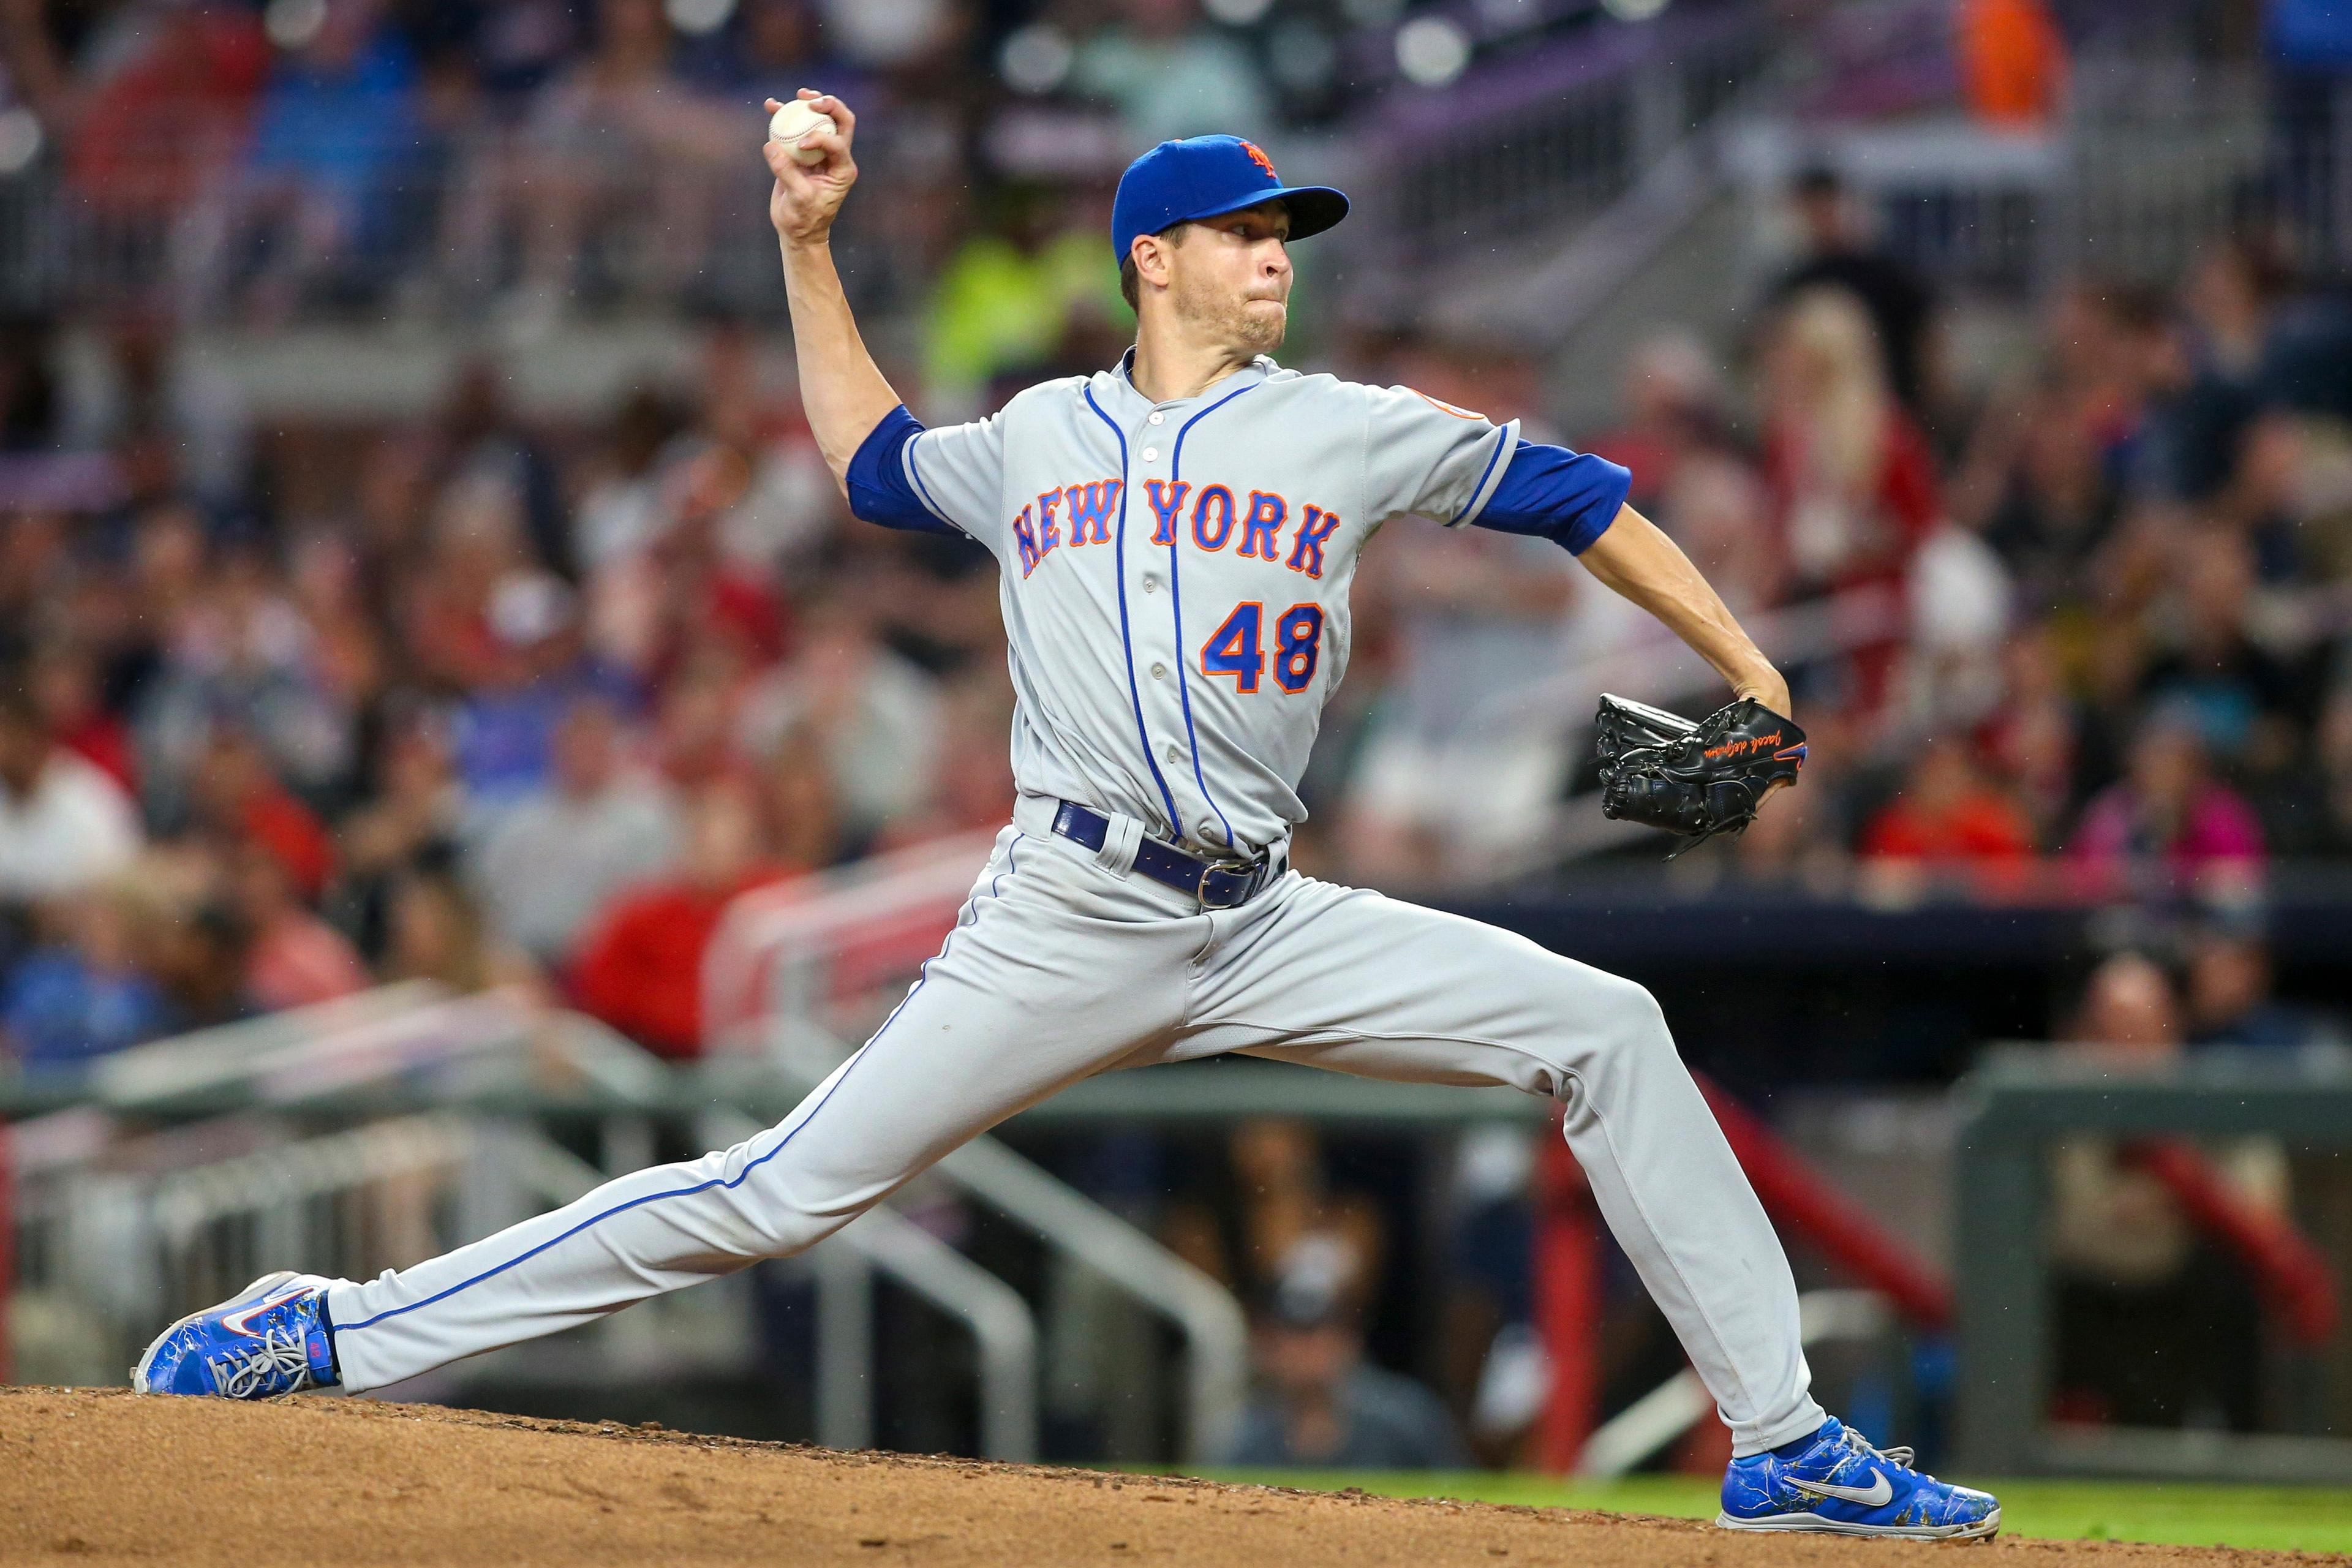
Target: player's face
(1232, 278)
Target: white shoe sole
(253, 1292)
(1984, 1528)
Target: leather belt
(1218, 884)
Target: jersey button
(1159, 419)
(1174, 755)
(1159, 672)
(1151, 454)
(1150, 583)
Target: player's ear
(1152, 259)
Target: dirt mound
(103, 1477)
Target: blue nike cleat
(270, 1338)
(1837, 1483)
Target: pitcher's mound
(95, 1477)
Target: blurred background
(455, 744)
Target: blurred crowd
(532, 159)
(486, 705)
(2073, 624)
(495, 696)
(2112, 580)
(492, 696)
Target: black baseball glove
(1696, 779)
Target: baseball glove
(1696, 779)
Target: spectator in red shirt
(1852, 475)
(1675, 400)
(1947, 816)
(237, 798)
(680, 598)
(293, 959)
(2013, 64)
(65, 684)
(165, 119)
(640, 967)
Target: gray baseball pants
(1063, 964)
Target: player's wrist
(1765, 687)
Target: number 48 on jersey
(1238, 648)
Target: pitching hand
(807, 196)
(1771, 689)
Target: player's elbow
(875, 482)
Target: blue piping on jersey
(1126, 638)
(915, 471)
(1176, 606)
(1502, 439)
(1010, 865)
(729, 1182)
(723, 1182)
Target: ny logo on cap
(1260, 158)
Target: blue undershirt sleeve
(879, 491)
(1570, 498)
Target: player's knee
(1630, 1017)
(1598, 1019)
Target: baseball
(794, 120)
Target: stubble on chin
(1260, 331)
(1245, 323)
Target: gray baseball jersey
(1175, 575)
(1175, 581)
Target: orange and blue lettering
(1306, 547)
(1234, 649)
(1027, 540)
(1297, 647)
(1217, 499)
(1166, 500)
(1092, 504)
(1265, 521)
(1049, 527)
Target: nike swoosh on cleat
(236, 1323)
(1875, 1495)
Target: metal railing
(1519, 151)
(122, 1234)
(2156, 158)
(774, 975)
(1002, 1327)
(2020, 1103)
(784, 953)
(147, 1227)
(1645, 1426)
(2163, 157)
(483, 221)
(115, 1247)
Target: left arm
(1634, 557)
(1578, 500)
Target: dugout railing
(489, 1059)
(2020, 1105)
(172, 1173)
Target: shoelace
(1860, 1445)
(280, 1355)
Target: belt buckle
(1209, 868)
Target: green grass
(2307, 1519)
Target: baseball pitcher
(1176, 536)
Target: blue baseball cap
(1208, 176)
